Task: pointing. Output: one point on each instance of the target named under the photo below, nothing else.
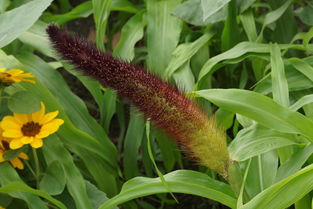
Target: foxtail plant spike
(164, 105)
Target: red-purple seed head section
(164, 105)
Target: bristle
(159, 101)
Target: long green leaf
(210, 7)
(180, 181)
(21, 187)
(54, 151)
(231, 33)
(184, 78)
(301, 102)
(185, 51)
(296, 82)
(191, 11)
(303, 67)
(36, 37)
(284, 193)
(279, 82)
(83, 10)
(101, 11)
(131, 33)
(16, 21)
(261, 109)
(276, 14)
(163, 31)
(273, 16)
(165, 184)
(248, 24)
(262, 173)
(235, 52)
(256, 140)
(132, 142)
(9, 175)
(294, 163)
(243, 48)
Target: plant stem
(1, 91)
(37, 166)
(30, 168)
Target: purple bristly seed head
(164, 105)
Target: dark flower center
(5, 145)
(31, 129)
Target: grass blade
(163, 31)
(279, 81)
(284, 193)
(16, 21)
(9, 175)
(131, 33)
(295, 162)
(256, 140)
(185, 51)
(101, 11)
(180, 182)
(261, 109)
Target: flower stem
(37, 166)
(1, 91)
(30, 168)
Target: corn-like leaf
(180, 181)
(256, 140)
(163, 31)
(261, 109)
(14, 22)
(284, 193)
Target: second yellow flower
(30, 128)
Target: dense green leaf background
(248, 63)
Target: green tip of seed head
(209, 146)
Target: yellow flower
(4, 147)
(2, 207)
(15, 75)
(30, 128)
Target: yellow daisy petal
(15, 79)
(48, 117)
(15, 144)
(21, 129)
(28, 75)
(9, 122)
(17, 163)
(2, 69)
(27, 139)
(23, 156)
(1, 156)
(37, 143)
(21, 118)
(37, 116)
(30, 81)
(15, 72)
(9, 118)
(52, 126)
(43, 134)
(12, 133)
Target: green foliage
(248, 62)
(23, 102)
(19, 20)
